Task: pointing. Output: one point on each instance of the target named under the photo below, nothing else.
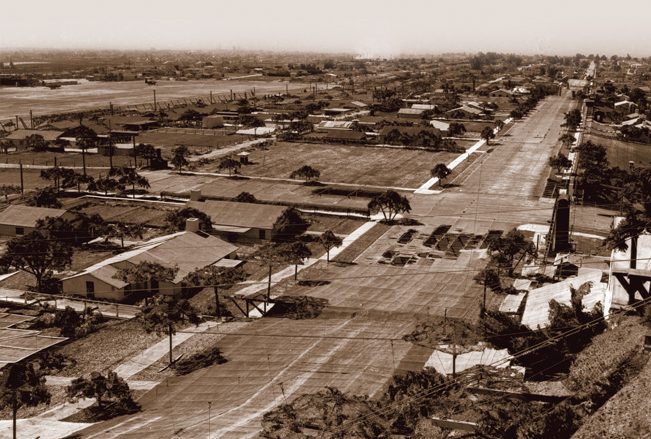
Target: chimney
(192, 225)
(195, 195)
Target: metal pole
(22, 184)
(209, 404)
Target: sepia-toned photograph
(284, 219)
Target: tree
(21, 385)
(390, 203)
(440, 171)
(289, 225)
(9, 189)
(105, 389)
(180, 157)
(456, 129)
(105, 184)
(487, 134)
(272, 255)
(146, 275)
(164, 315)
(176, 219)
(45, 197)
(148, 152)
(297, 253)
(243, 197)
(36, 142)
(217, 277)
(84, 143)
(5, 145)
(122, 230)
(57, 174)
(307, 172)
(38, 255)
(329, 240)
(567, 139)
(129, 177)
(573, 119)
(506, 249)
(560, 162)
(230, 164)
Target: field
(348, 164)
(620, 153)
(86, 95)
(170, 137)
(224, 187)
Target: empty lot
(348, 164)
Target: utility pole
(154, 99)
(209, 404)
(22, 183)
(31, 119)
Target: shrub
(197, 361)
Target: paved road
(356, 345)
(502, 188)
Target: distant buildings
(18, 220)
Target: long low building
(241, 221)
(186, 251)
(18, 220)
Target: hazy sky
(356, 26)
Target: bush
(197, 361)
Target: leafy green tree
(229, 164)
(217, 277)
(573, 119)
(106, 184)
(560, 162)
(329, 240)
(289, 225)
(390, 203)
(297, 253)
(85, 143)
(440, 171)
(567, 139)
(36, 142)
(164, 315)
(176, 219)
(456, 129)
(124, 230)
(487, 134)
(38, 255)
(46, 197)
(307, 172)
(109, 389)
(126, 176)
(505, 250)
(146, 275)
(242, 197)
(180, 157)
(21, 385)
(148, 152)
(272, 255)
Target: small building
(426, 107)
(625, 107)
(466, 112)
(187, 251)
(19, 137)
(18, 220)
(241, 221)
(244, 157)
(410, 113)
(341, 136)
(444, 127)
(501, 93)
(212, 121)
(327, 125)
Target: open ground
(394, 167)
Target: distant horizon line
(4, 50)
